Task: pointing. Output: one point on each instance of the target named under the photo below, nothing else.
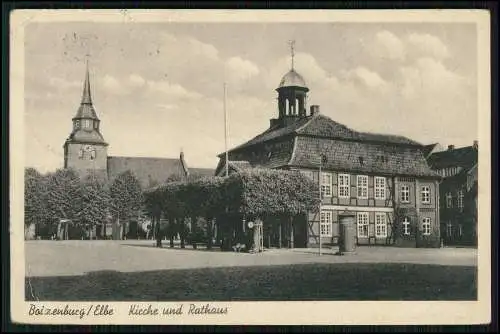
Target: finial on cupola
(292, 51)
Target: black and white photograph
(169, 167)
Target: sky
(158, 87)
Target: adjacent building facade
(85, 150)
(383, 181)
(458, 193)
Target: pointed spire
(86, 96)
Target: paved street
(136, 270)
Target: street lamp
(321, 158)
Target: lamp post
(320, 200)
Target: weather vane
(292, 50)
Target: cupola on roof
(292, 79)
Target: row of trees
(88, 201)
(251, 194)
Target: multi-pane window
(362, 220)
(379, 187)
(344, 185)
(80, 153)
(460, 197)
(86, 123)
(449, 230)
(326, 185)
(405, 193)
(426, 226)
(406, 226)
(449, 201)
(326, 224)
(92, 155)
(380, 225)
(362, 186)
(426, 194)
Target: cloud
(429, 76)
(136, 80)
(112, 85)
(365, 77)
(428, 45)
(239, 69)
(389, 46)
(172, 90)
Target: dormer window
(87, 123)
(77, 124)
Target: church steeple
(85, 149)
(86, 96)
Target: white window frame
(343, 186)
(362, 220)
(92, 155)
(380, 225)
(380, 189)
(425, 194)
(449, 230)
(449, 200)
(406, 226)
(426, 226)
(362, 186)
(460, 199)
(405, 193)
(326, 187)
(80, 153)
(325, 226)
(86, 123)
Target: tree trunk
(279, 222)
(158, 233)
(209, 232)
(182, 232)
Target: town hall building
(383, 180)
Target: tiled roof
(147, 170)
(86, 111)
(86, 136)
(363, 157)
(201, 171)
(322, 126)
(428, 149)
(465, 157)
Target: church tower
(85, 149)
(292, 96)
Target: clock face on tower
(88, 148)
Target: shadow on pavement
(341, 281)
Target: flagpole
(226, 131)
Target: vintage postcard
(250, 167)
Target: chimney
(451, 147)
(314, 109)
(474, 144)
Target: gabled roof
(429, 148)
(235, 166)
(465, 157)
(361, 157)
(322, 126)
(300, 144)
(151, 171)
(147, 170)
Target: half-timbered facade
(383, 180)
